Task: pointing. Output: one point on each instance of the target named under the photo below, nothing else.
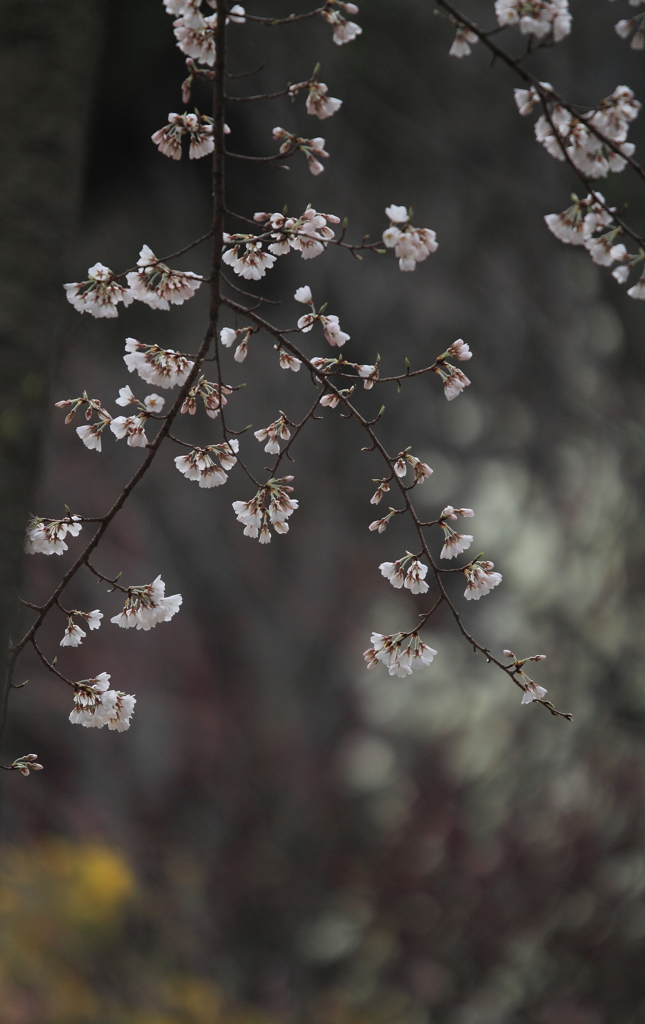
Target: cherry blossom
(329, 323)
(454, 380)
(198, 128)
(287, 361)
(27, 763)
(199, 464)
(195, 36)
(73, 635)
(164, 368)
(454, 543)
(462, 42)
(100, 294)
(411, 576)
(383, 488)
(344, 31)
(411, 245)
(401, 653)
(536, 17)
(146, 606)
(421, 470)
(212, 395)
(481, 579)
(47, 536)
(319, 104)
(279, 430)
(132, 428)
(312, 148)
(159, 286)
(626, 26)
(308, 233)
(532, 692)
(459, 350)
(271, 505)
(96, 706)
(369, 372)
(252, 264)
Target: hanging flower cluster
(411, 245)
(146, 606)
(162, 367)
(197, 127)
(200, 463)
(47, 536)
(95, 705)
(401, 653)
(536, 17)
(271, 505)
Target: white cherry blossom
(132, 428)
(147, 605)
(47, 536)
(159, 286)
(462, 42)
(73, 634)
(100, 294)
(481, 580)
(163, 368)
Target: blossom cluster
(537, 18)
(564, 134)
(146, 606)
(271, 505)
(197, 127)
(73, 635)
(95, 705)
(577, 225)
(406, 572)
(307, 234)
(401, 653)
(319, 104)
(153, 283)
(212, 395)
(329, 322)
(161, 367)
(344, 31)
(454, 543)
(411, 245)
(454, 380)
(199, 463)
(47, 536)
(312, 148)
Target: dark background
(282, 836)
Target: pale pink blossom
(319, 104)
(460, 350)
(126, 397)
(454, 543)
(415, 578)
(411, 245)
(383, 488)
(462, 42)
(304, 295)
(344, 31)
(536, 17)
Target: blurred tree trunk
(47, 55)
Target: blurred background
(282, 836)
